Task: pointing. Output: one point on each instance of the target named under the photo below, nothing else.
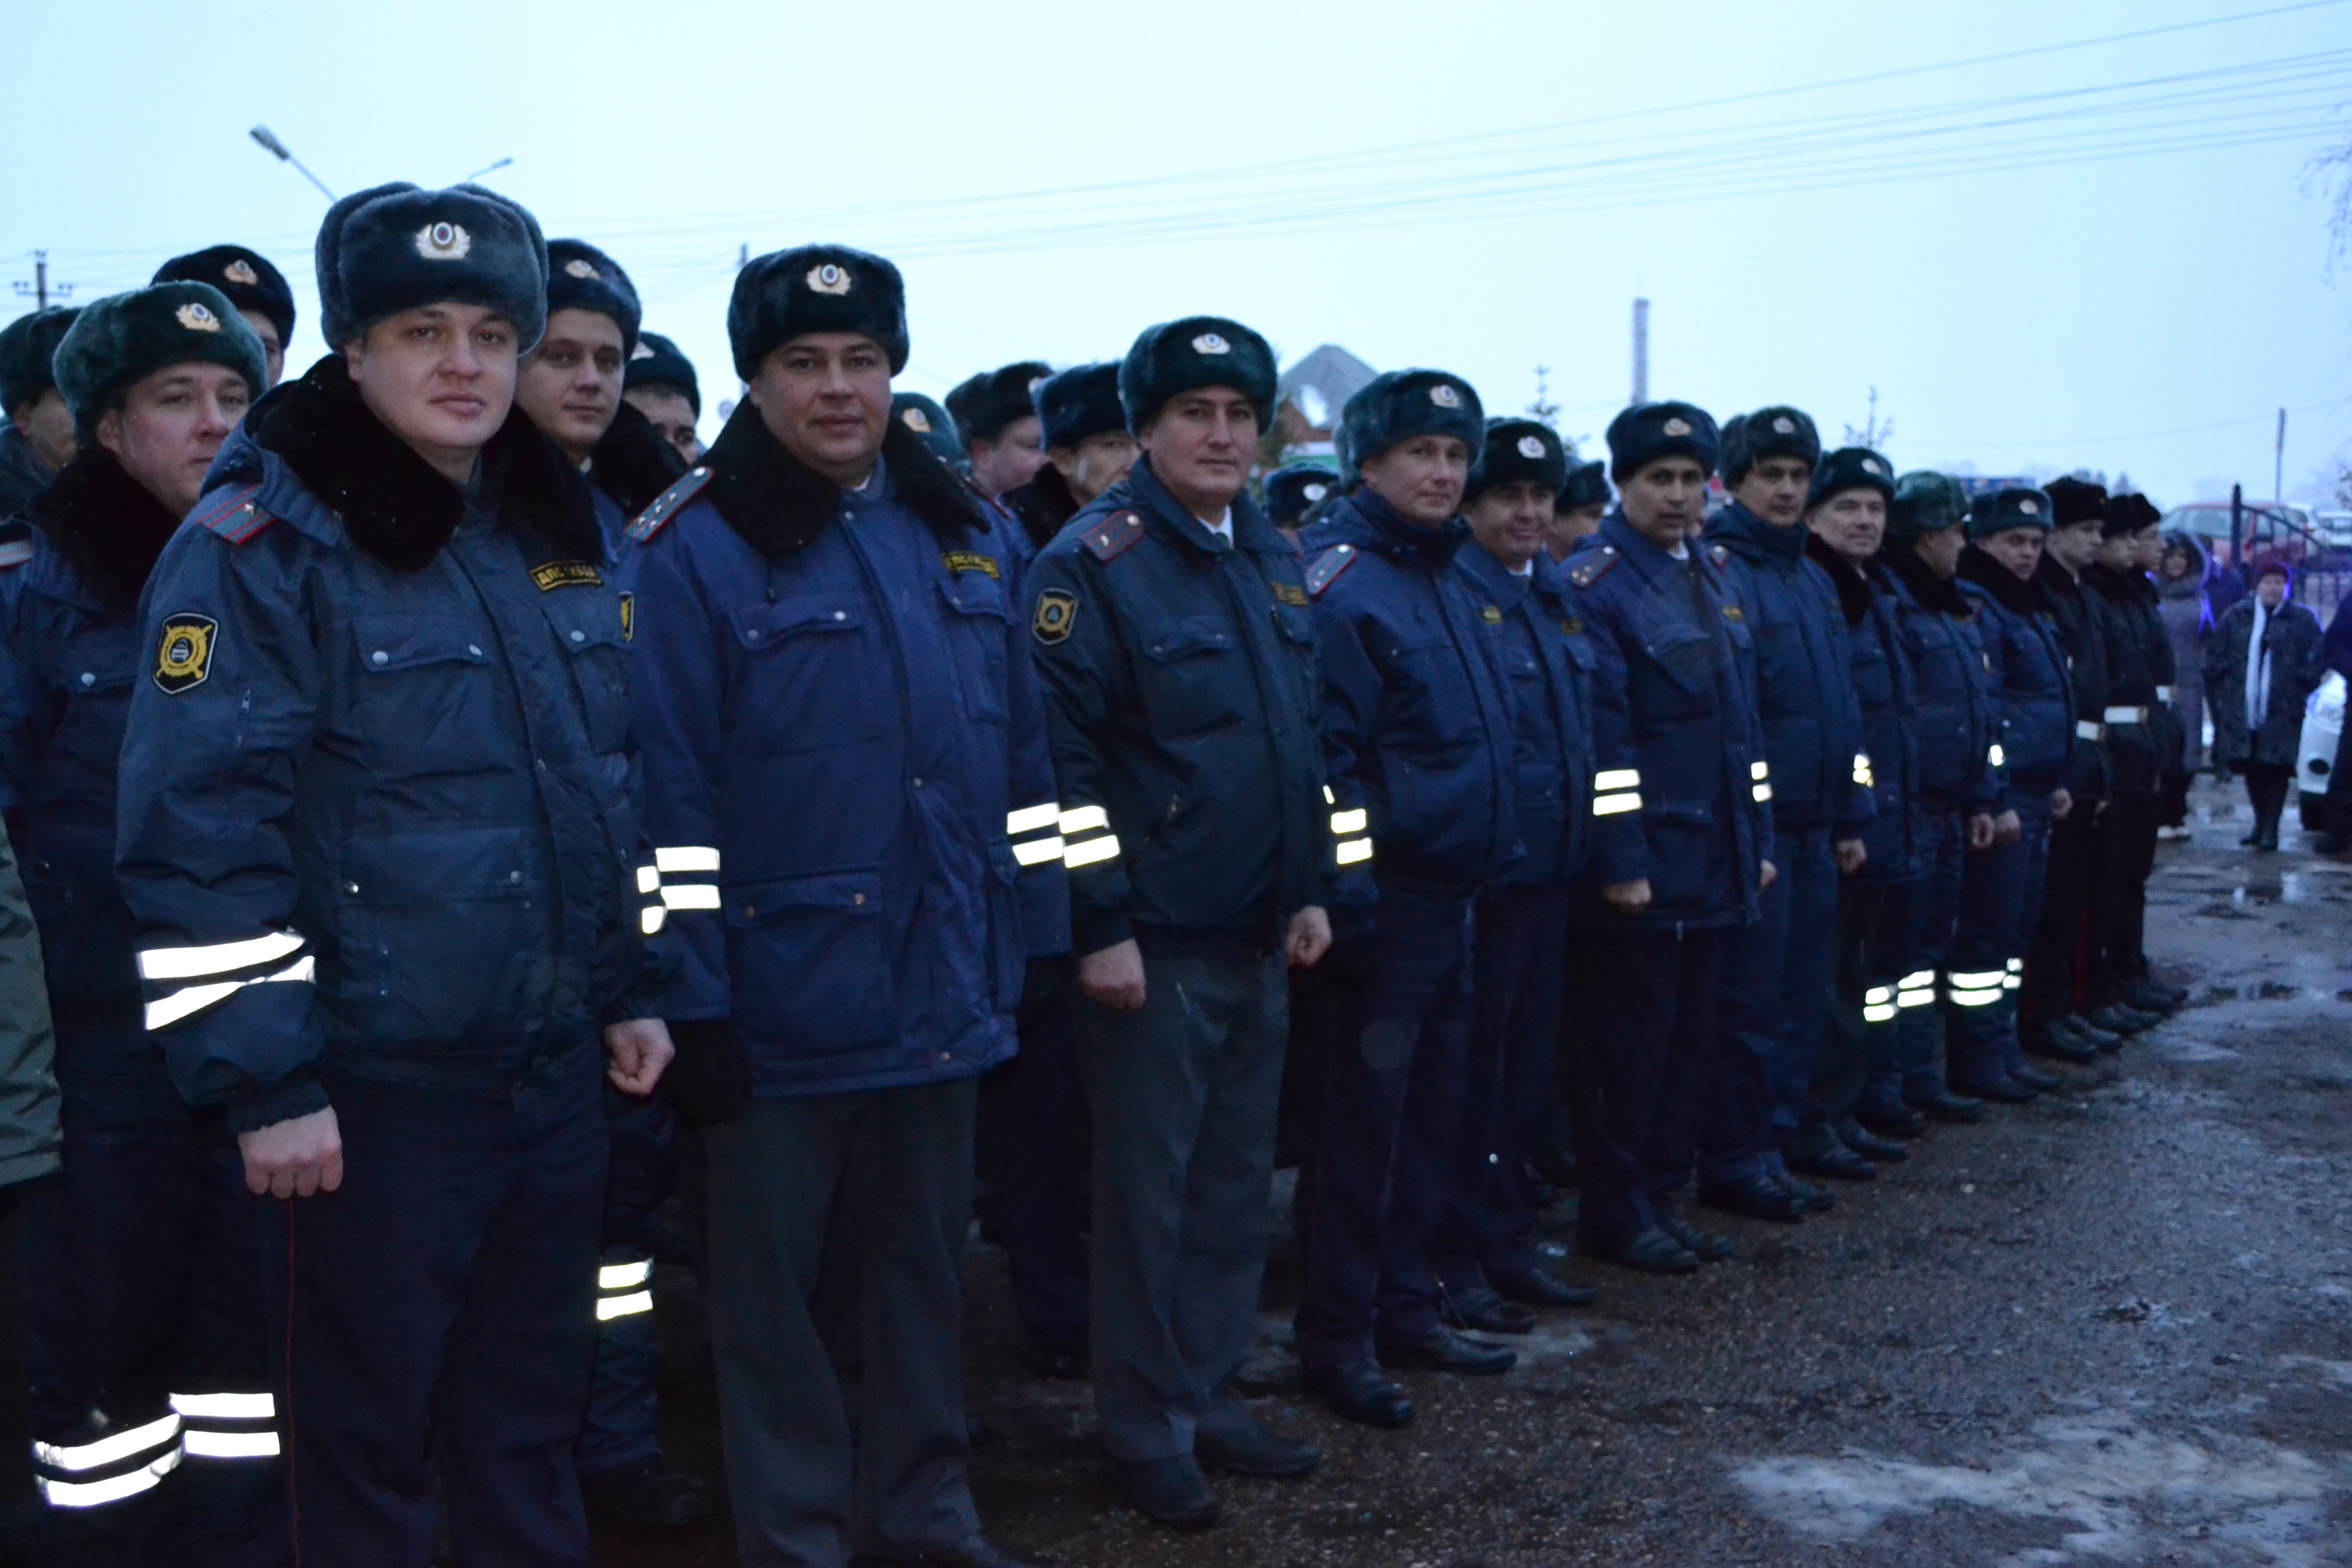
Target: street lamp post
(269, 143)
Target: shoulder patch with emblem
(1057, 612)
(1111, 536)
(1589, 566)
(566, 574)
(1327, 566)
(184, 657)
(1718, 554)
(666, 505)
(628, 617)
(968, 561)
(234, 516)
(1289, 593)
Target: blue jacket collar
(1251, 530)
(1635, 546)
(1384, 528)
(1502, 584)
(1741, 530)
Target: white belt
(2087, 731)
(2126, 715)
(2164, 694)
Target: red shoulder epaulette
(234, 516)
(1106, 539)
(666, 505)
(1327, 566)
(1591, 565)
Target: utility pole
(39, 289)
(2278, 464)
(1641, 351)
(277, 150)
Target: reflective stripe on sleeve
(1996, 756)
(1611, 804)
(1031, 819)
(192, 999)
(2125, 715)
(2164, 694)
(1344, 823)
(652, 918)
(1615, 779)
(1090, 851)
(1762, 792)
(1353, 850)
(222, 958)
(110, 1450)
(612, 1307)
(1037, 851)
(690, 895)
(114, 1489)
(623, 1276)
(2085, 730)
(1078, 849)
(1759, 770)
(680, 860)
(1862, 773)
(202, 1445)
(226, 1406)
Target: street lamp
(269, 143)
(486, 169)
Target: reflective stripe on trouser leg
(1916, 989)
(227, 1425)
(623, 1290)
(107, 1469)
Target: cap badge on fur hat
(1870, 466)
(917, 421)
(1316, 492)
(1211, 343)
(1784, 425)
(643, 351)
(1444, 396)
(1530, 446)
(444, 241)
(831, 277)
(197, 319)
(2030, 507)
(241, 272)
(1676, 427)
(579, 266)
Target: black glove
(709, 1079)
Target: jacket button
(579, 637)
(947, 1056)
(514, 876)
(918, 784)
(748, 913)
(753, 634)
(841, 614)
(856, 898)
(379, 657)
(471, 648)
(88, 679)
(351, 887)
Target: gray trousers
(836, 1231)
(1184, 1092)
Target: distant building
(1310, 395)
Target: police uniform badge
(1677, 426)
(241, 272)
(557, 574)
(1785, 425)
(643, 351)
(628, 617)
(1531, 448)
(184, 657)
(1444, 396)
(444, 241)
(1057, 612)
(196, 318)
(579, 266)
(915, 419)
(831, 277)
(1211, 343)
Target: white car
(2323, 721)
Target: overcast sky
(2112, 256)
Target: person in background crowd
(1684, 847)
(38, 437)
(845, 759)
(1417, 739)
(1577, 513)
(995, 415)
(2335, 651)
(28, 1153)
(1087, 450)
(1174, 642)
(258, 289)
(1293, 490)
(1485, 1244)
(931, 424)
(143, 1263)
(659, 383)
(2000, 888)
(2181, 575)
(1845, 517)
(2266, 657)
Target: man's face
(2271, 589)
(2075, 545)
(825, 396)
(2148, 548)
(2019, 550)
(273, 347)
(570, 384)
(1774, 489)
(1422, 478)
(1202, 444)
(48, 427)
(1095, 464)
(1011, 460)
(669, 411)
(1850, 523)
(1940, 550)
(171, 425)
(1513, 521)
(1568, 527)
(1666, 501)
(440, 377)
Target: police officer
(2053, 995)
(38, 438)
(571, 384)
(2000, 888)
(1960, 788)
(1177, 653)
(1417, 738)
(254, 286)
(1583, 499)
(1845, 516)
(377, 833)
(659, 383)
(1294, 489)
(1485, 1248)
(1685, 844)
(2141, 742)
(845, 766)
(1087, 448)
(143, 1263)
(932, 423)
(1777, 973)
(996, 418)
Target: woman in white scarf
(2261, 663)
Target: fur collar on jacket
(779, 506)
(105, 523)
(392, 503)
(2010, 592)
(1941, 595)
(633, 463)
(1853, 590)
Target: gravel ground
(2115, 1326)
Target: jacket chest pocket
(811, 961)
(92, 677)
(426, 699)
(1192, 669)
(976, 620)
(811, 675)
(588, 627)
